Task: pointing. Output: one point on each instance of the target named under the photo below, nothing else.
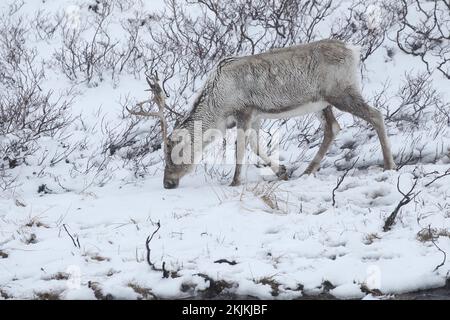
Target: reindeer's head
(176, 165)
(175, 168)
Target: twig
(147, 245)
(446, 173)
(341, 179)
(407, 198)
(231, 263)
(166, 273)
(445, 254)
(75, 243)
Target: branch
(445, 254)
(147, 244)
(166, 273)
(231, 263)
(407, 198)
(75, 243)
(446, 173)
(341, 179)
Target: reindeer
(280, 83)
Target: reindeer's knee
(335, 128)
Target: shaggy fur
(280, 83)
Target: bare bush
(418, 101)
(27, 110)
(425, 32)
(134, 140)
(191, 44)
(89, 52)
(365, 25)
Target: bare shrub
(27, 110)
(418, 101)
(424, 31)
(365, 25)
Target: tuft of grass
(32, 239)
(215, 288)
(4, 295)
(275, 286)
(370, 238)
(48, 295)
(58, 276)
(98, 257)
(145, 293)
(429, 234)
(98, 293)
(35, 222)
(375, 292)
(327, 286)
(270, 194)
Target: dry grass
(35, 222)
(4, 295)
(58, 276)
(95, 257)
(48, 295)
(145, 293)
(98, 293)
(370, 238)
(271, 194)
(429, 234)
(3, 254)
(274, 285)
(216, 287)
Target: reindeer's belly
(294, 111)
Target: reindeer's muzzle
(170, 184)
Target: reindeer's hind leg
(351, 101)
(331, 129)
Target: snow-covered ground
(71, 233)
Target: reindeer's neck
(200, 124)
(200, 120)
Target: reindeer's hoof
(282, 173)
(235, 183)
(390, 166)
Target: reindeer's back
(293, 75)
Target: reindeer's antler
(160, 100)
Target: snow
(301, 242)
(297, 246)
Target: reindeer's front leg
(331, 129)
(242, 124)
(278, 169)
